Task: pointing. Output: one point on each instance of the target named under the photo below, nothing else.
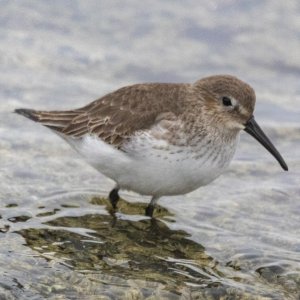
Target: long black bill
(253, 129)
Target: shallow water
(237, 238)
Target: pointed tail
(56, 120)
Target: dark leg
(150, 208)
(114, 197)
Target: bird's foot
(114, 197)
(149, 210)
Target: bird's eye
(226, 101)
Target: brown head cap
(228, 95)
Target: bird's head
(230, 103)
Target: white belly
(153, 167)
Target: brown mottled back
(117, 115)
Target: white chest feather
(151, 166)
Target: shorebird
(161, 139)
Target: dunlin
(161, 139)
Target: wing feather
(118, 115)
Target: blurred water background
(238, 238)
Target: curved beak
(253, 129)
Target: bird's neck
(199, 124)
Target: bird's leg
(150, 208)
(114, 197)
